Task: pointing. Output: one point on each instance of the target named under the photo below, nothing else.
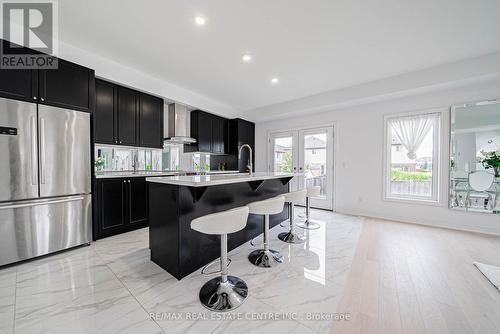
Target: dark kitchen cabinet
(105, 118)
(241, 132)
(203, 130)
(19, 84)
(210, 132)
(138, 201)
(128, 115)
(69, 86)
(151, 121)
(219, 135)
(112, 203)
(122, 206)
(124, 116)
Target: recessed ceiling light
(246, 58)
(275, 80)
(200, 20)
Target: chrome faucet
(249, 165)
(135, 162)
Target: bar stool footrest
(253, 242)
(203, 270)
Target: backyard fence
(419, 188)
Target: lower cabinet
(121, 206)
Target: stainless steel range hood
(178, 130)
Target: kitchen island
(175, 201)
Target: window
(412, 151)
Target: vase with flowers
(99, 164)
(491, 160)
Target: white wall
(359, 141)
(111, 70)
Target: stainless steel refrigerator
(45, 181)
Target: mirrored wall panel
(475, 157)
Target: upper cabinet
(241, 132)
(125, 116)
(105, 118)
(128, 117)
(210, 132)
(19, 84)
(69, 86)
(151, 121)
(219, 135)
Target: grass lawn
(398, 175)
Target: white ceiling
(313, 46)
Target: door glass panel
(315, 161)
(283, 154)
(309, 153)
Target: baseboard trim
(464, 228)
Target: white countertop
(108, 175)
(212, 180)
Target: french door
(309, 152)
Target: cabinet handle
(34, 97)
(42, 99)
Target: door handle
(42, 150)
(44, 202)
(34, 156)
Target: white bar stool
(309, 223)
(223, 293)
(292, 198)
(266, 257)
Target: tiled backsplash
(117, 158)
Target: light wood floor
(414, 279)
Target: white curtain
(411, 131)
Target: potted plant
(492, 160)
(99, 164)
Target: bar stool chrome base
(309, 225)
(220, 296)
(291, 237)
(265, 258)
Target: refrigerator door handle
(34, 155)
(42, 150)
(43, 202)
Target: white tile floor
(113, 287)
